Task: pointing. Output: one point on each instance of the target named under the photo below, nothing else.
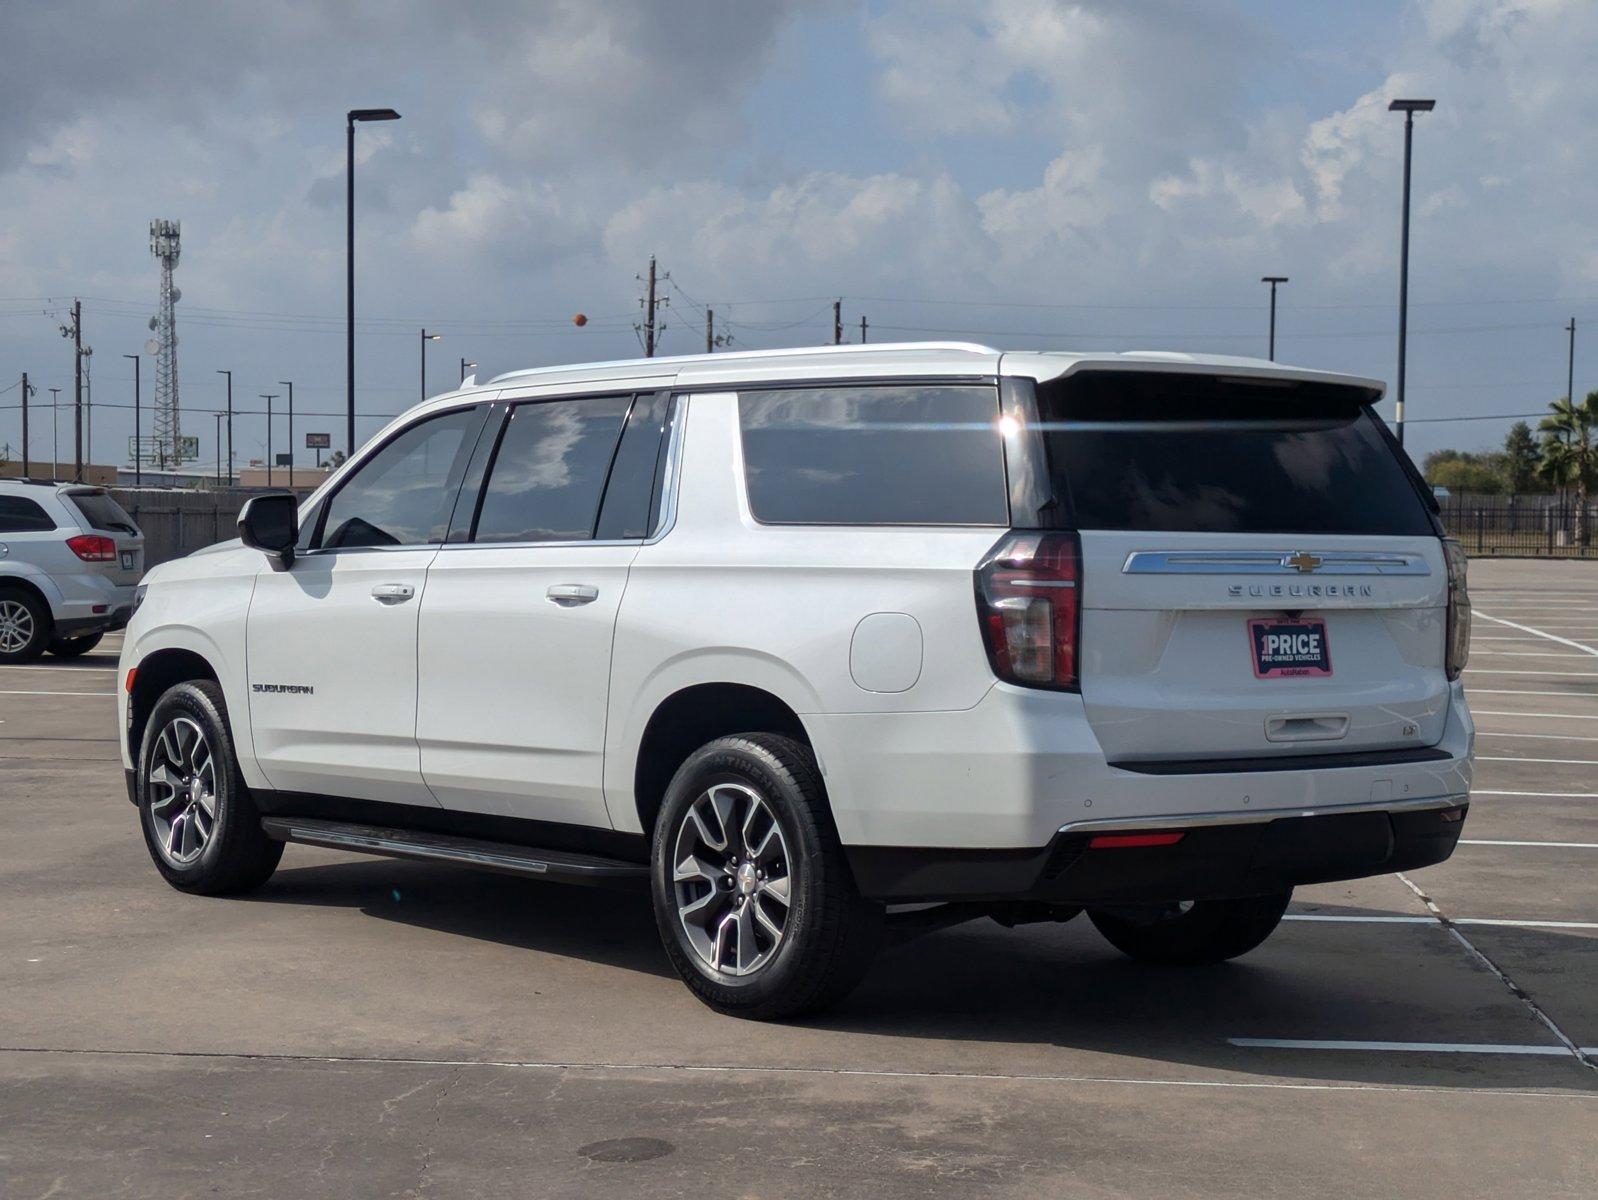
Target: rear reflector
(1127, 841)
(133, 673)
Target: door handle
(393, 593)
(570, 595)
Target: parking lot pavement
(363, 1026)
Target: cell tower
(168, 440)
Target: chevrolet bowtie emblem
(1303, 562)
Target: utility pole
(229, 375)
(862, 329)
(138, 449)
(288, 383)
(1273, 280)
(55, 433)
(710, 331)
(649, 312)
(1409, 108)
(74, 331)
(26, 389)
(88, 404)
(1570, 374)
(837, 322)
(268, 399)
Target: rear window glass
(102, 512)
(892, 455)
(1185, 453)
(18, 514)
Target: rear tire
(753, 896)
(201, 827)
(75, 647)
(1209, 931)
(24, 626)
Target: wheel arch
(158, 671)
(693, 715)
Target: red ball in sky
(580, 320)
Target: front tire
(24, 626)
(75, 647)
(753, 897)
(1198, 933)
(201, 827)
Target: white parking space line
(1525, 924)
(1497, 671)
(1340, 919)
(111, 695)
(1550, 737)
(1552, 1050)
(1563, 762)
(1538, 795)
(108, 669)
(1519, 692)
(1493, 712)
(1552, 637)
(1538, 845)
(1525, 654)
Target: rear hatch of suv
(122, 561)
(1261, 576)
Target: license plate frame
(128, 559)
(1307, 655)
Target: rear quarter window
(1192, 453)
(924, 454)
(18, 514)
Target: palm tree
(1569, 456)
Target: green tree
(1569, 456)
(1521, 458)
(1466, 473)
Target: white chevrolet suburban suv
(818, 642)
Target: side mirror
(271, 525)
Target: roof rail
(678, 360)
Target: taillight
(1028, 602)
(1458, 647)
(91, 547)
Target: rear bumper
(107, 622)
(1219, 856)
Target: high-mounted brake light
(1457, 652)
(1029, 605)
(92, 547)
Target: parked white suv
(69, 559)
(809, 640)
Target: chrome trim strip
(1271, 562)
(1259, 817)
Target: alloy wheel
(181, 786)
(733, 879)
(16, 626)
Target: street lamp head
(434, 337)
(1273, 278)
(1412, 106)
(468, 363)
(373, 114)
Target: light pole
(290, 385)
(465, 363)
(218, 447)
(229, 375)
(1273, 280)
(138, 455)
(1409, 108)
(55, 434)
(268, 398)
(350, 118)
(427, 337)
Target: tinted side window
(634, 484)
(1195, 453)
(18, 514)
(893, 455)
(402, 495)
(547, 475)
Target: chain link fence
(1520, 526)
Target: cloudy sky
(1112, 174)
